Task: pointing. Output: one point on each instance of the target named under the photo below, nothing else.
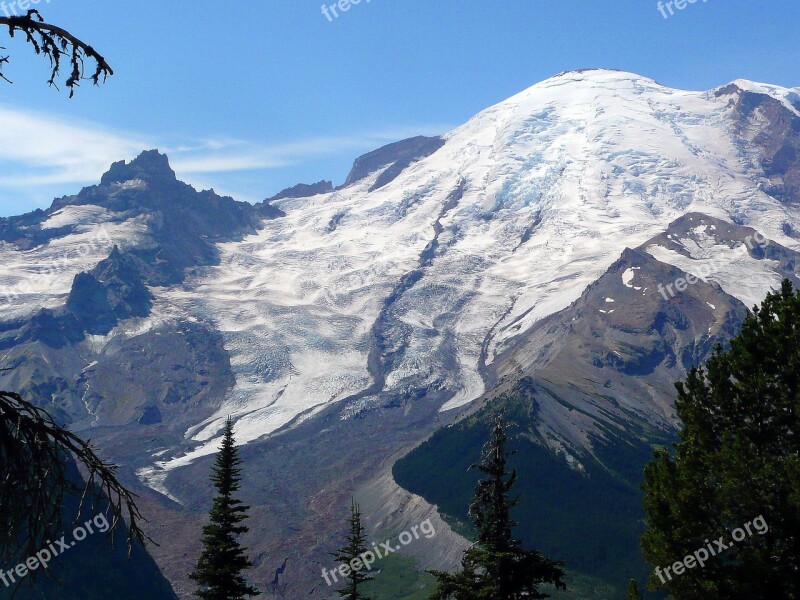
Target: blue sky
(251, 97)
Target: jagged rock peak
(303, 190)
(150, 166)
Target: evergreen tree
(220, 566)
(496, 567)
(351, 552)
(737, 462)
(633, 591)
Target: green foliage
(220, 566)
(584, 587)
(736, 460)
(400, 579)
(590, 518)
(633, 591)
(496, 567)
(354, 547)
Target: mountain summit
(580, 245)
(150, 166)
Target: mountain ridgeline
(566, 256)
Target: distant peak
(592, 70)
(150, 166)
(399, 154)
(303, 190)
(601, 74)
(789, 97)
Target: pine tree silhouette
(351, 551)
(220, 566)
(496, 567)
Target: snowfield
(42, 277)
(557, 181)
(523, 207)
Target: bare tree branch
(55, 43)
(34, 455)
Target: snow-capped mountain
(443, 270)
(442, 267)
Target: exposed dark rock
(303, 190)
(184, 226)
(150, 416)
(88, 302)
(121, 276)
(112, 292)
(55, 329)
(728, 90)
(150, 166)
(733, 236)
(24, 230)
(183, 222)
(775, 131)
(396, 157)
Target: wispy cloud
(39, 152)
(37, 149)
(242, 156)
